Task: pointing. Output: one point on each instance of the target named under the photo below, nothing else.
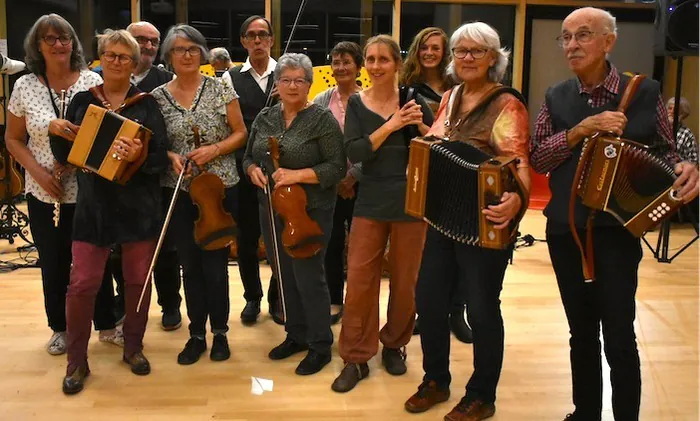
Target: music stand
(13, 222)
(661, 251)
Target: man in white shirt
(253, 81)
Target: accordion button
(492, 235)
(651, 215)
(663, 204)
(654, 219)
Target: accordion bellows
(623, 179)
(450, 183)
(92, 147)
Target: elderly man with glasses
(254, 83)
(574, 110)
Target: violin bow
(149, 274)
(289, 40)
(268, 189)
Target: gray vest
(568, 108)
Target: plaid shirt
(549, 149)
(686, 145)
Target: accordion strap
(587, 257)
(99, 93)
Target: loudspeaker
(676, 28)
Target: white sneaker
(113, 336)
(57, 344)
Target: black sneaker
(286, 349)
(172, 320)
(219, 348)
(394, 360)
(250, 311)
(312, 363)
(194, 349)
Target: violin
(301, 237)
(214, 228)
(11, 181)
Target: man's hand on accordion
(127, 149)
(502, 213)
(686, 185)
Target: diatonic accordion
(624, 179)
(92, 147)
(449, 183)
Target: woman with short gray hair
(492, 118)
(686, 144)
(54, 57)
(193, 103)
(312, 158)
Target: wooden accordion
(92, 148)
(449, 183)
(623, 179)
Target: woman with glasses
(54, 56)
(194, 102)
(311, 155)
(108, 213)
(485, 114)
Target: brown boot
(428, 395)
(349, 377)
(471, 410)
(74, 383)
(138, 363)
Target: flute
(57, 174)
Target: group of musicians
(348, 150)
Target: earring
(358, 74)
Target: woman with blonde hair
(375, 137)
(425, 66)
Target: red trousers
(85, 279)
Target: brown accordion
(623, 179)
(92, 147)
(449, 183)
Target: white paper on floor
(258, 385)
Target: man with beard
(147, 77)
(254, 83)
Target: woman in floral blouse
(192, 100)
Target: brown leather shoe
(428, 395)
(139, 364)
(471, 410)
(74, 383)
(349, 377)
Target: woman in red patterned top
(482, 112)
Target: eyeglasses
(250, 36)
(193, 50)
(581, 37)
(477, 53)
(287, 82)
(145, 40)
(51, 39)
(112, 57)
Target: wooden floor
(535, 383)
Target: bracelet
(218, 151)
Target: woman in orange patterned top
(493, 118)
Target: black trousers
(305, 288)
(55, 257)
(335, 255)
(205, 273)
(247, 240)
(608, 301)
(448, 267)
(166, 273)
